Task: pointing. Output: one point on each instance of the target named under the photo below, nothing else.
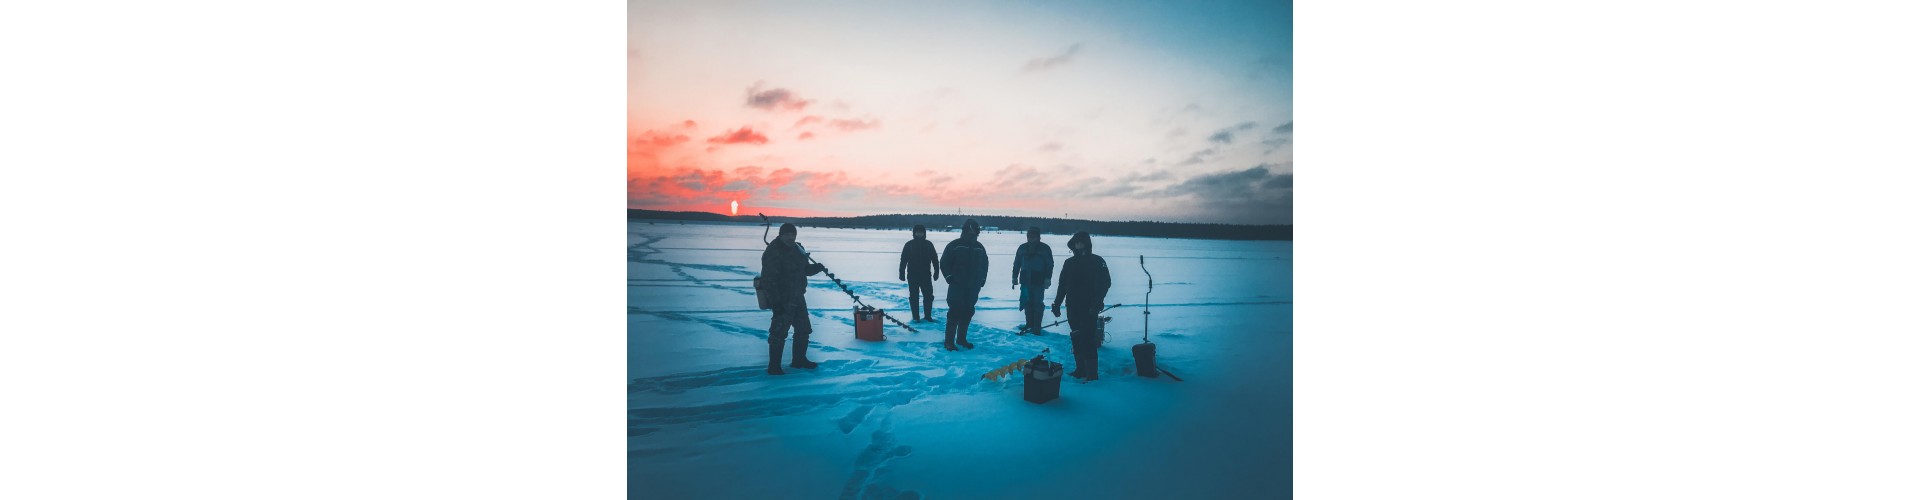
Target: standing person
(915, 260)
(1083, 285)
(785, 268)
(965, 264)
(1033, 273)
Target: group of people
(1084, 281)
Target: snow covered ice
(905, 418)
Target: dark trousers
(1033, 302)
(960, 302)
(1086, 336)
(792, 315)
(920, 294)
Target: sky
(1162, 111)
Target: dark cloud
(1234, 184)
(1225, 135)
(1198, 157)
(774, 99)
(1282, 135)
(745, 135)
(1046, 63)
(1259, 195)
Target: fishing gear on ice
(1002, 372)
(1042, 378)
(1143, 352)
(1049, 325)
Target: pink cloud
(855, 125)
(745, 135)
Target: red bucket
(866, 324)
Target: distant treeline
(946, 222)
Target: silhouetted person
(1033, 273)
(916, 258)
(1083, 285)
(965, 264)
(785, 267)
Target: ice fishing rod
(1023, 328)
(768, 224)
(1147, 315)
(1147, 319)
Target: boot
(800, 354)
(773, 358)
(929, 308)
(916, 310)
(950, 346)
(963, 335)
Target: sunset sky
(1089, 110)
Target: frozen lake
(905, 418)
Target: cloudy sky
(1094, 110)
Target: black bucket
(1043, 379)
(1143, 360)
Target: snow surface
(906, 419)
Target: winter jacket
(784, 266)
(964, 263)
(1033, 264)
(1083, 281)
(916, 257)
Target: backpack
(760, 292)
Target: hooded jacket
(1084, 279)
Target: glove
(1056, 310)
(815, 268)
(903, 276)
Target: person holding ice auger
(1083, 286)
(915, 260)
(1033, 273)
(965, 264)
(785, 267)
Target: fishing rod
(1023, 328)
(768, 224)
(1144, 351)
(1148, 313)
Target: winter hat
(788, 227)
